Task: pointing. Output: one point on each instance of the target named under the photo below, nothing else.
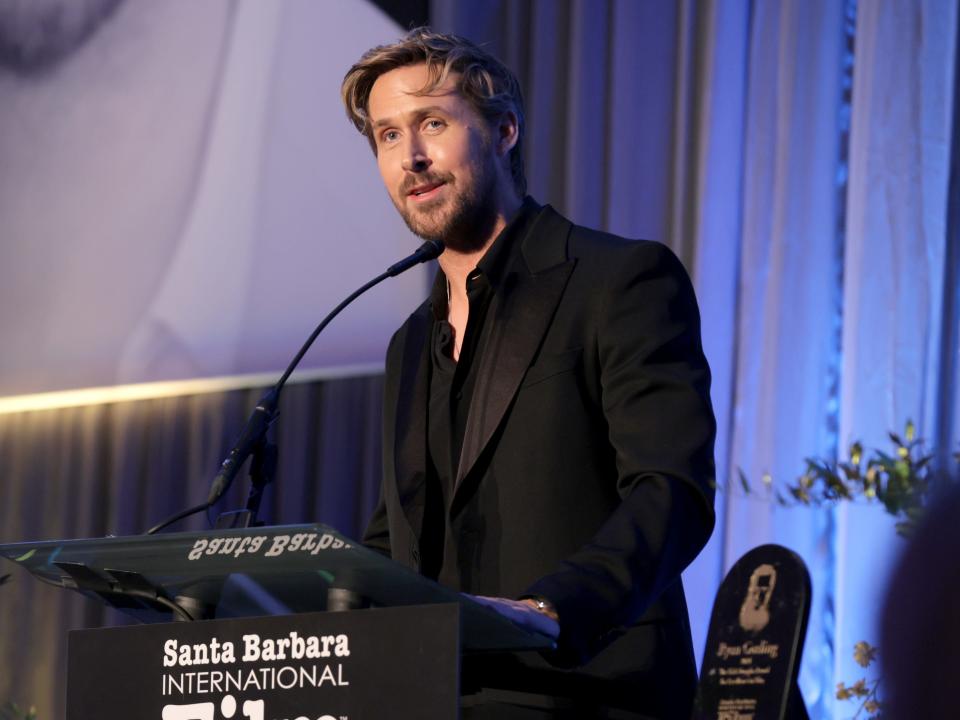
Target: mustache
(434, 178)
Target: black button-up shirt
(451, 387)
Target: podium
(295, 622)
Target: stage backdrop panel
(182, 195)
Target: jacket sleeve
(655, 397)
(377, 534)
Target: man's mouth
(426, 191)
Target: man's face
(435, 157)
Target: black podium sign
(755, 640)
(389, 662)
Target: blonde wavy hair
(484, 82)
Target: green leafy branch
(866, 693)
(901, 481)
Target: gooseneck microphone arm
(265, 413)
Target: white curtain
(895, 365)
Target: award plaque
(755, 640)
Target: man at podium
(548, 434)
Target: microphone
(430, 250)
(266, 413)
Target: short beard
(466, 224)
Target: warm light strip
(172, 388)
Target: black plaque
(382, 663)
(755, 640)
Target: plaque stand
(755, 640)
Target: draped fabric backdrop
(797, 157)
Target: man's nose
(415, 159)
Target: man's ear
(507, 132)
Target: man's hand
(524, 613)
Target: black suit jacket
(586, 474)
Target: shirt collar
(496, 261)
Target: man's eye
(390, 136)
(434, 124)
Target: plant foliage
(901, 481)
(12, 711)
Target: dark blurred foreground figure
(548, 434)
(920, 631)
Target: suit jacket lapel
(522, 311)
